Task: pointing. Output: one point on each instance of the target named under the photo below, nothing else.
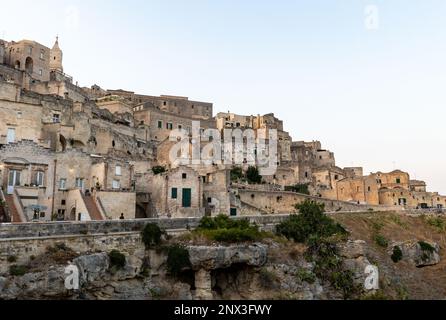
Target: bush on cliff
(151, 235)
(177, 259)
(312, 221)
(16, 270)
(117, 259)
(224, 229)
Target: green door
(187, 196)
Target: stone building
(78, 153)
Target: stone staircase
(92, 208)
(12, 209)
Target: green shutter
(174, 193)
(187, 197)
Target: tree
(253, 175)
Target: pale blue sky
(375, 97)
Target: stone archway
(29, 65)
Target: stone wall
(284, 202)
(115, 203)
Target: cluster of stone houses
(74, 153)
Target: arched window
(29, 65)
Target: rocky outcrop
(211, 258)
(419, 253)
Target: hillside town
(72, 153)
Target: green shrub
(426, 247)
(117, 259)
(224, 229)
(299, 188)
(397, 254)
(236, 173)
(329, 266)
(253, 176)
(310, 222)
(306, 276)
(438, 223)
(151, 235)
(177, 260)
(379, 295)
(158, 170)
(381, 241)
(268, 279)
(12, 259)
(16, 270)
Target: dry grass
(401, 280)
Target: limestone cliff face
(246, 271)
(268, 270)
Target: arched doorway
(29, 65)
(73, 214)
(17, 65)
(63, 142)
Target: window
(118, 170)
(42, 54)
(184, 176)
(369, 189)
(30, 50)
(209, 200)
(19, 114)
(39, 178)
(165, 103)
(160, 124)
(40, 72)
(80, 183)
(56, 118)
(180, 127)
(174, 193)
(63, 202)
(398, 180)
(63, 184)
(169, 126)
(116, 185)
(336, 177)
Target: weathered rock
(419, 253)
(211, 258)
(92, 267)
(352, 249)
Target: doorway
(13, 180)
(187, 198)
(10, 137)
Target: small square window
(56, 118)
(184, 176)
(209, 200)
(116, 184)
(63, 202)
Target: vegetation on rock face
(299, 188)
(177, 259)
(437, 222)
(12, 259)
(224, 229)
(397, 254)
(16, 270)
(426, 247)
(151, 235)
(319, 232)
(268, 279)
(158, 170)
(312, 221)
(117, 259)
(381, 241)
(306, 276)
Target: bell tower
(56, 56)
